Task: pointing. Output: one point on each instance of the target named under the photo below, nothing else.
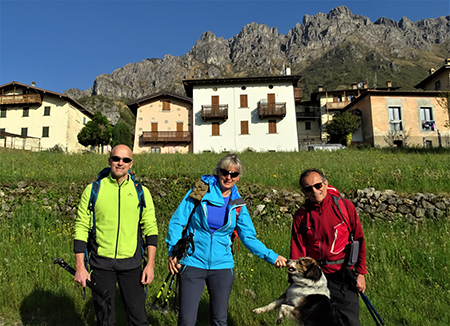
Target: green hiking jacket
(118, 235)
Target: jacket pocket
(340, 238)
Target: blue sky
(66, 44)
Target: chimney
(33, 83)
(389, 83)
(365, 85)
(288, 71)
(447, 61)
(354, 85)
(431, 71)
(320, 88)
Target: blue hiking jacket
(213, 250)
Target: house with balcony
(36, 119)
(437, 80)
(163, 123)
(400, 118)
(314, 115)
(247, 113)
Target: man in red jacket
(320, 231)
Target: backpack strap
(342, 208)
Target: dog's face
(304, 267)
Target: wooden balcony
(307, 115)
(337, 105)
(298, 94)
(166, 137)
(272, 110)
(215, 111)
(20, 99)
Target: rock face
(260, 50)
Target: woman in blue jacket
(212, 222)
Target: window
(45, 131)
(180, 126)
(244, 127)
(3, 113)
(155, 150)
(166, 106)
(84, 120)
(26, 112)
(47, 111)
(215, 129)
(24, 132)
(272, 126)
(154, 126)
(2, 130)
(244, 101)
(307, 125)
(427, 119)
(437, 85)
(395, 119)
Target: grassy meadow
(408, 281)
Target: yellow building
(42, 119)
(163, 123)
(437, 80)
(400, 118)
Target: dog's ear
(313, 271)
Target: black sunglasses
(226, 172)
(124, 159)
(318, 186)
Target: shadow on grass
(43, 307)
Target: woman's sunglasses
(226, 172)
(310, 188)
(124, 159)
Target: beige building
(40, 118)
(437, 80)
(400, 118)
(314, 115)
(163, 123)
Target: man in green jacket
(115, 251)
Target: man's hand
(280, 262)
(81, 274)
(360, 283)
(148, 274)
(174, 266)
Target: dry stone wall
(267, 204)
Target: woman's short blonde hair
(227, 161)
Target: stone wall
(263, 203)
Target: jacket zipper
(118, 225)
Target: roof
(391, 93)
(45, 91)
(189, 83)
(134, 105)
(423, 83)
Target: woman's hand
(280, 262)
(174, 267)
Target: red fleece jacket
(318, 231)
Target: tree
(121, 134)
(342, 125)
(96, 132)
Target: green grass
(408, 264)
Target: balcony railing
(215, 111)
(308, 115)
(166, 137)
(337, 105)
(272, 110)
(20, 99)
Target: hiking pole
(376, 317)
(104, 294)
(153, 305)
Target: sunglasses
(230, 173)
(124, 159)
(310, 188)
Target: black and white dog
(307, 299)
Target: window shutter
(244, 127)
(215, 129)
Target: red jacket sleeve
(361, 265)
(298, 248)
